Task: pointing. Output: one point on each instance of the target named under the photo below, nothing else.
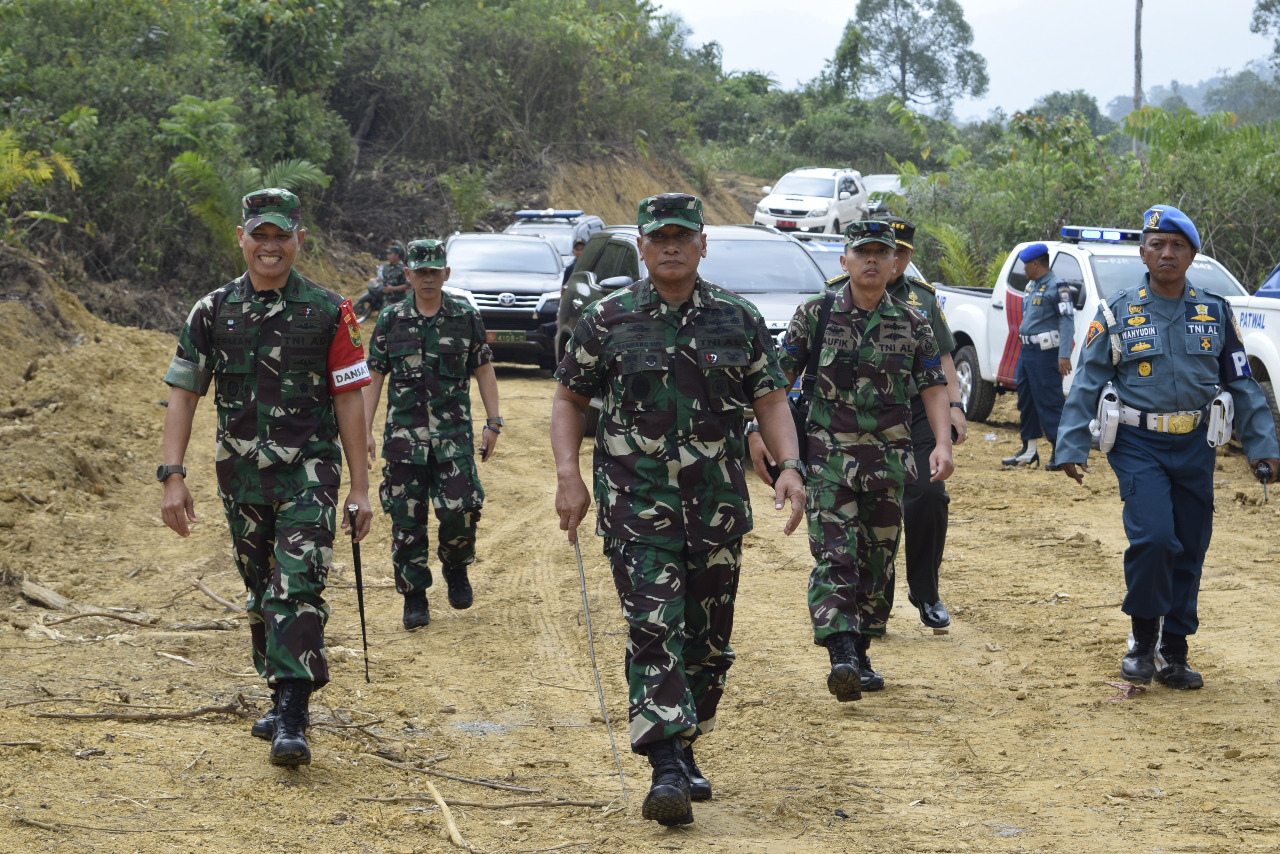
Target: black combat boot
(1139, 663)
(415, 610)
(668, 800)
(1176, 673)
(699, 786)
(870, 680)
(289, 746)
(844, 680)
(1028, 456)
(265, 726)
(460, 596)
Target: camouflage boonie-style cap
(679, 209)
(869, 231)
(904, 231)
(271, 204)
(425, 253)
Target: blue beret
(1169, 218)
(1032, 252)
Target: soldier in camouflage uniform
(285, 358)
(859, 430)
(395, 285)
(676, 360)
(430, 345)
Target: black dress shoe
(932, 614)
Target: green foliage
(960, 263)
(292, 43)
(921, 51)
(1078, 103)
(1252, 97)
(466, 186)
(1266, 21)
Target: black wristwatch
(753, 427)
(955, 404)
(164, 471)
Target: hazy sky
(1032, 47)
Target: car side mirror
(766, 189)
(845, 194)
(614, 282)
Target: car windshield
(1114, 272)
(761, 267)
(882, 184)
(796, 185)
(559, 233)
(829, 261)
(497, 255)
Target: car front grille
(784, 212)
(513, 302)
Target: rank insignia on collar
(1191, 292)
(1142, 293)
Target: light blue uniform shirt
(1175, 355)
(1046, 306)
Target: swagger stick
(352, 509)
(591, 645)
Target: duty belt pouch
(1048, 340)
(1222, 414)
(1108, 417)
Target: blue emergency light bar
(549, 213)
(1078, 234)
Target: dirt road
(1002, 735)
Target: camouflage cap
(904, 231)
(271, 204)
(679, 209)
(425, 253)
(869, 231)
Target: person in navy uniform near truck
(1048, 323)
(1163, 368)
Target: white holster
(1222, 414)
(1108, 417)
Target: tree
(1079, 103)
(1266, 20)
(919, 51)
(1137, 63)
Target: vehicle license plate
(504, 336)
(786, 223)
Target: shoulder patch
(1095, 329)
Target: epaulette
(838, 280)
(921, 283)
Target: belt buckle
(1181, 423)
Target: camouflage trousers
(283, 551)
(853, 536)
(679, 611)
(453, 489)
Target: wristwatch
(753, 427)
(164, 471)
(794, 465)
(496, 421)
(955, 404)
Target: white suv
(814, 200)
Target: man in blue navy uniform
(1046, 332)
(1156, 362)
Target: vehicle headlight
(760, 208)
(822, 211)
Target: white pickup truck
(1096, 262)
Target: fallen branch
(44, 596)
(204, 588)
(236, 707)
(454, 836)
(204, 626)
(432, 772)
(60, 825)
(510, 805)
(20, 744)
(77, 700)
(98, 612)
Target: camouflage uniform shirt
(670, 445)
(429, 361)
(393, 274)
(860, 419)
(276, 359)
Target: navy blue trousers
(1028, 421)
(1166, 483)
(1044, 386)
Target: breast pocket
(642, 373)
(725, 372)
(302, 390)
(453, 360)
(1201, 345)
(231, 385)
